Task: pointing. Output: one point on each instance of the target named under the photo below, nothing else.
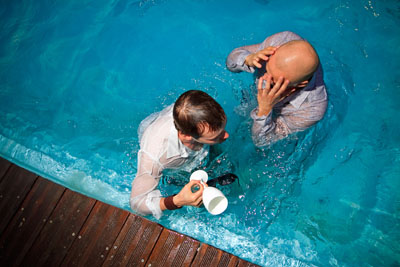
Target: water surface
(77, 77)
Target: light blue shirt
(295, 113)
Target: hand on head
(186, 198)
(256, 59)
(271, 94)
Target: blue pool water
(77, 77)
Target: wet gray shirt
(295, 113)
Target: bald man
(291, 93)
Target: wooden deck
(45, 224)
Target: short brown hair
(194, 110)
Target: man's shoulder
(156, 117)
(281, 38)
(160, 127)
(155, 129)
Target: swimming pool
(77, 77)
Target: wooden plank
(173, 249)
(4, 166)
(211, 256)
(28, 222)
(207, 256)
(97, 236)
(122, 247)
(228, 260)
(13, 189)
(135, 242)
(40, 232)
(243, 263)
(60, 231)
(184, 250)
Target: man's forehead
(271, 68)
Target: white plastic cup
(199, 175)
(214, 200)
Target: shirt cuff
(153, 203)
(241, 61)
(236, 59)
(261, 120)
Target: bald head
(295, 60)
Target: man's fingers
(260, 83)
(192, 182)
(291, 91)
(268, 82)
(199, 193)
(264, 54)
(277, 85)
(261, 88)
(268, 51)
(283, 87)
(256, 63)
(263, 57)
(198, 200)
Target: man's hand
(267, 97)
(186, 198)
(254, 60)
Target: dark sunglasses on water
(221, 180)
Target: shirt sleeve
(145, 197)
(268, 129)
(235, 60)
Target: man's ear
(184, 137)
(302, 84)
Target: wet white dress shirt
(160, 148)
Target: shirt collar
(175, 146)
(298, 98)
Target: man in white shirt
(178, 137)
(291, 91)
